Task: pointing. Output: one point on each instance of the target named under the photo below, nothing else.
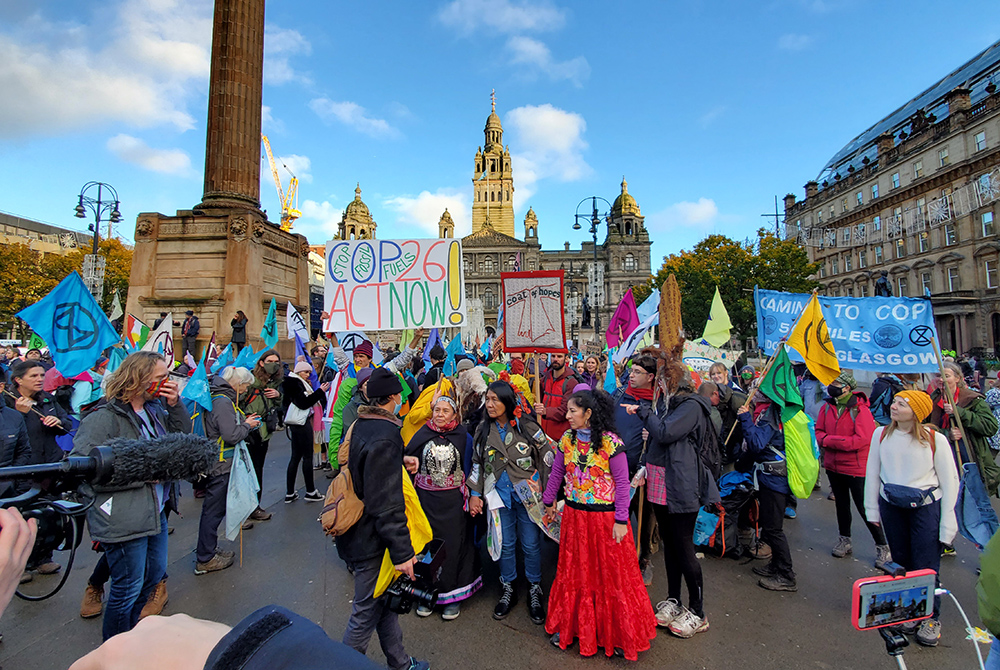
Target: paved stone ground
(288, 561)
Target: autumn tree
(117, 268)
(735, 267)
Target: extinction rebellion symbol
(921, 335)
(75, 328)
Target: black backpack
(711, 449)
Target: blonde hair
(956, 370)
(132, 376)
(918, 431)
(718, 366)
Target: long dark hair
(602, 414)
(243, 317)
(258, 369)
(505, 394)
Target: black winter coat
(15, 449)
(376, 464)
(675, 444)
(42, 438)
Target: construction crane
(289, 202)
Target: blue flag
(610, 383)
(269, 333)
(300, 350)
(196, 390)
(452, 352)
(224, 359)
(73, 324)
(116, 355)
(246, 358)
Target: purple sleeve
(555, 479)
(619, 471)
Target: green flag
(717, 330)
(780, 386)
(36, 342)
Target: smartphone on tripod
(892, 600)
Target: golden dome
(625, 203)
(446, 217)
(356, 209)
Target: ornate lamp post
(594, 219)
(106, 203)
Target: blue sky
(709, 109)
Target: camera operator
(45, 419)
(376, 463)
(140, 402)
(17, 537)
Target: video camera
(403, 592)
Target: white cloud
(139, 62)
(709, 117)
(537, 57)
(509, 16)
(297, 165)
(319, 220)
(425, 210)
(135, 151)
(280, 44)
(353, 115)
(794, 42)
(701, 215)
(554, 146)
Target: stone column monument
(223, 255)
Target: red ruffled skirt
(598, 596)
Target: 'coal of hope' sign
(394, 284)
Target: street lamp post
(594, 220)
(99, 207)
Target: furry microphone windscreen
(165, 458)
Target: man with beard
(557, 386)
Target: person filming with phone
(140, 402)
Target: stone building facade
(915, 199)
(42, 237)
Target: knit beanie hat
(302, 366)
(383, 383)
(847, 379)
(364, 348)
(919, 402)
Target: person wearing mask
(679, 484)
(638, 390)
(189, 333)
(45, 420)
(443, 453)
(239, 326)
(557, 386)
(911, 487)
(299, 395)
(844, 431)
(227, 426)
(508, 448)
(376, 466)
(263, 398)
(764, 444)
(140, 402)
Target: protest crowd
(622, 457)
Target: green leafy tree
(117, 268)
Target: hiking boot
(831, 497)
(761, 550)
(536, 610)
(291, 497)
(260, 515)
(790, 513)
(843, 547)
(92, 601)
(764, 570)
(946, 550)
(554, 640)
(883, 557)
(667, 611)
(225, 554)
(424, 610)
(451, 612)
(777, 583)
(48, 568)
(910, 627)
(156, 602)
(218, 562)
(688, 624)
(507, 601)
(314, 496)
(247, 525)
(331, 473)
(929, 632)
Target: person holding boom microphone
(140, 403)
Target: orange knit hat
(919, 402)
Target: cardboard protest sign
(394, 284)
(533, 312)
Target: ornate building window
(511, 263)
(987, 224)
(991, 274)
(489, 300)
(903, 287)
(467, 264)
(488, 265)
(953, 281)
(629, 263)
(925, 283)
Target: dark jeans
(239, 346)
(136, 566)
(213, 510)
(913, 537)
(677, 531)
(257, 448)
(190, 344)
(772, 516)
(302, 450)
(518, 528)
(844, 488)
(369, 614)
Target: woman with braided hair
(598, 596)
(439, 455)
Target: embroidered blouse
(594, 480)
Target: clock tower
(493, 180)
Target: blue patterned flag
(73, 324)
(610, 383)
(452, 351)
(269, 333)
(246, 358)
(196, 390)
(224, 359)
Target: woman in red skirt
(598, 596)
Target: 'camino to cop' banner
(880, 334)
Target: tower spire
(493, 100)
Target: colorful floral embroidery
(588, 475)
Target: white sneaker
(667, 611)
(687, 624)
(424, 610)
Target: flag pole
(951, 401)
(756, 383)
